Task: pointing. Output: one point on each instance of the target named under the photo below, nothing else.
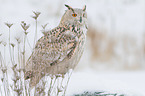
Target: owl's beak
(80, 19)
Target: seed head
(36, 15)
(9, 24)
(4, 43)
(2, 79)
(1, 42)
(12, 44)
(4, 70)
(24, 26)
(44, 26)
(18, 40)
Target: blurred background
(115, 39)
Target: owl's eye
(74, 15)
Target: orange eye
(74, 15)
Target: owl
(60, 49)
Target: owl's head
(74, 16)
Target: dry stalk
(36, 15)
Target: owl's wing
(53, 47)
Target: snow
(129, 83)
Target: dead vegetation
(119, 50)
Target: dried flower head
(26, 33)
(12, 44)
(40, 90)
(19, 70)
(18, 40)
(60, 90)
(23, 52)
(43, 29)
(36, 15)
(17, 78)
(4, 43)
(14, 66)
(44, 26)
(4, 70)
(44, 32)
(2, 79)
(14, 80)
(1, 42)
(24, 26)
(9, 24)
(18, 91)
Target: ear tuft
(84, 8)
(68, 7)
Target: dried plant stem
(13, 55)
(4, 63)
(50, 85)
(5, 76)
(17, 87)
(29, 91)
(25, 88)
(24, 51)
(35, 38)
(67, 83)
(35, 91)
(19, 63)
(10, 47)
(4, 84)
(58, 87)
(4, 54)
(29, 44)
(24, 62)
(1, 91)
(19, 56)
(62, 81)
(53, 85)
(1, 59)
(7, 84)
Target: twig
(67, 83)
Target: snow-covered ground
(129, 83)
